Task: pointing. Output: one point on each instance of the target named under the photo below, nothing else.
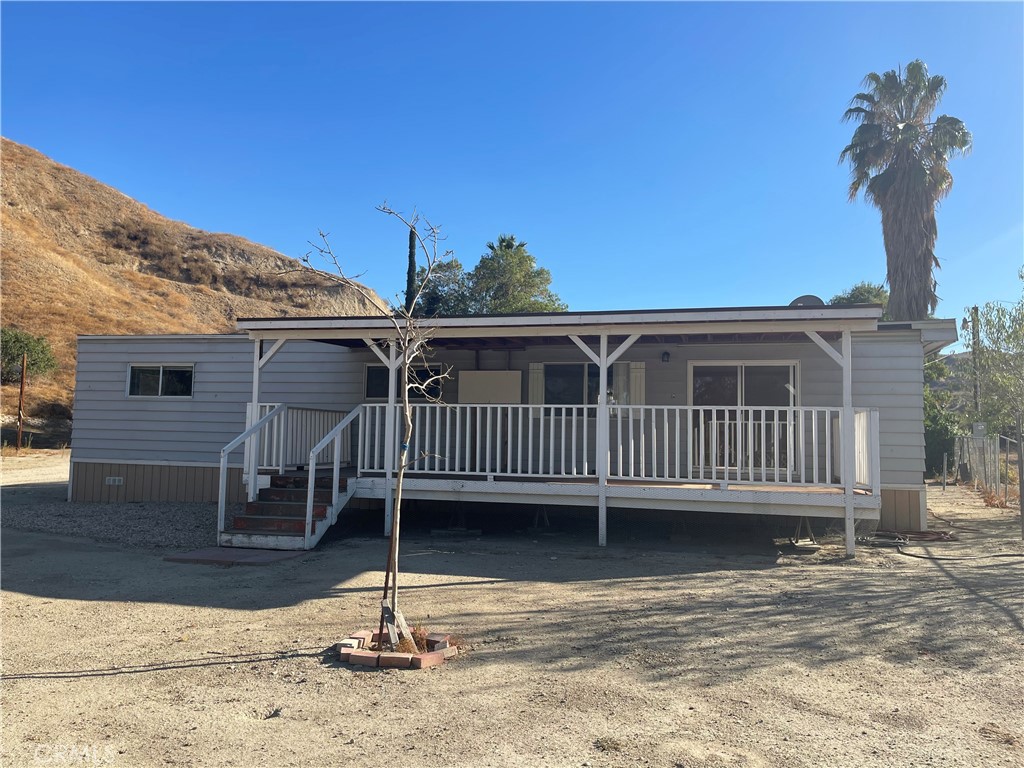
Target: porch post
(602, 444)
(254, 441)
(849, 441)
(389, 438)
(603, 453)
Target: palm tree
(898, 156)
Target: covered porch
(587, 409)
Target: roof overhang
(935, 333)
(662, 322)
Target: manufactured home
(803, 411)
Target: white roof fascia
(935, 334)
(684, 321)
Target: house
(807, 411)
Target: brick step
(302, 481)
(295, 509)
(268, 524)
(321, 495)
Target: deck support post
(849, 442)
(603, 454)
(259, 360)
(602, 445)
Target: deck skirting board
(119, 482)
(744, 501)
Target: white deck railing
(738, 445)
(515, 440)
(777, 446)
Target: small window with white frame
(171, 380)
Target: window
(744, 384)
(160, 380)
(377, 383)
(572, 383)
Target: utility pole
(976, 361)
(21, 400)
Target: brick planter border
(355, 650)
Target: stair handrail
(222, 493)
(335, 436)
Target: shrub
(13, 344)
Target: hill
(80, 257)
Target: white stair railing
(338, 439)
(250, 460)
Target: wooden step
(321, 495)
(271, 524)
(295, 509)
(302, 481)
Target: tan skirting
(151, 482)
(903, 509)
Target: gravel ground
(34, 498)
(700, 656)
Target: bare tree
(412, 344)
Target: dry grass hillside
(79, 257)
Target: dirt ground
(649, 653)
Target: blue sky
(651, 155)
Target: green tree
(898, 156)
(864, 293)
(941, 421)
(1000, 356)
(507, 279)
(13, 344)
(447, 291)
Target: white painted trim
(736, 501)
(849, 443)
(827, 348)
(903, 487)
(331, 329)
(375, 348)
(864, 317)
(586, 349)
(269, 355)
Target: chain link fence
(989, 463)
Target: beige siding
(151, 482)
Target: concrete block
(450, 651)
